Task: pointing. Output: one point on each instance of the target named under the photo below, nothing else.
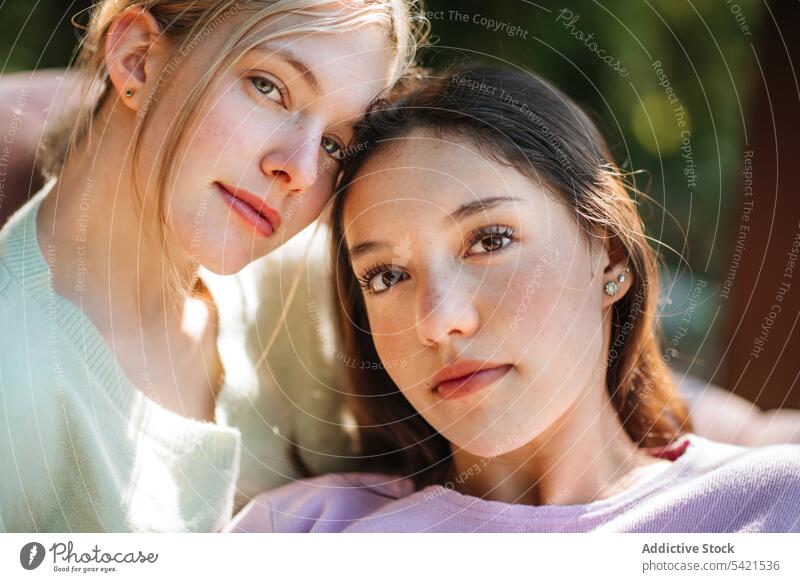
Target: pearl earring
(612, 287)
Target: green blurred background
(705, 50)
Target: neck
(584, 456)
(106, 248)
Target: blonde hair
(185, 23)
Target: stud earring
(129, 93)
(611, 287)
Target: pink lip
(252, 209)
(469, 383)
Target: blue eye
(333, 148)
(267, 88)
(381, 278)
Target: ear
(617, 272)
(135, 51)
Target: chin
(482, 442)
(471, 441)
(229, 264)
(481, 448)
(228, 269)
(220, 247)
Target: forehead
(351, 66)
(427, 176)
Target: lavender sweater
(709, 487)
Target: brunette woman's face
(261, 164)
(468, 265)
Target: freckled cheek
(510, 290)
(236, 125)
(563, 324)
(395, 336)
(534, 307)
(390, 332)
(393, 348)
(515, 295)
(225, 134)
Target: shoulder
(323, 504)
(28, 338)
(781, 459)
(33, 357)
(706, 455)
(762, 484)
(774, 466)
(33, 375)
(22, 268)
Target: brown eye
(385, 280)
(490, 240)
(381, 278)
(492, 243)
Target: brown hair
(520, 120)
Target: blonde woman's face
(261, 163)
(468, 265)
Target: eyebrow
(477, 206)
(293, 60)
(366, 248)
(461, 213)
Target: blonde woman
(484, 238)
(209, 133)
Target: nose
(292, 159)
(445, 308)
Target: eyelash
(282, 92)
(366, 277)
(493, 231)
